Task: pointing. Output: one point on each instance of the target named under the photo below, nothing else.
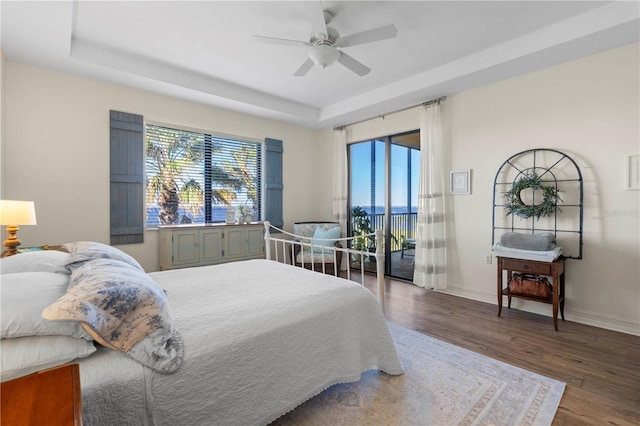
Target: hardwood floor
(600, 367)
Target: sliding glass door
(383, 176)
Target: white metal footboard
(278, 248)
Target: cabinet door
(210, 245)
(234, 242)
(185, 247)
(255, 242)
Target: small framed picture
(460, 181)
(633, 172)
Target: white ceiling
(204, 50)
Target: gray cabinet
(234, 242)
(255, 242)
(198, 245)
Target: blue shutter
(127, 180)
(273, 182)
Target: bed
(258, 338)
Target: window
(195, 177)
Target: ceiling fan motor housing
(328, 39)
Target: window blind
(196, 177)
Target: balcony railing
(403, 227)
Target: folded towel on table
(535, 242)
(543, 256)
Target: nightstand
(51, 397)
(554, 269)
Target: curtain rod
(432, 101)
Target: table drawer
(527, 266)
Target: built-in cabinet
(198, 245)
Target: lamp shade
(14, 212)
(323, 55)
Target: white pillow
(36, 261)
(25, 296)
(26, 355)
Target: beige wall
(588, 109)
(57, 140)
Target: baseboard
(594, 319)
(605, 321)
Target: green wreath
(515, 205)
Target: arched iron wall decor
(540, 190)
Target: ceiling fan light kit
(325, 41)
(324, 55)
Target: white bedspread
(260, 338)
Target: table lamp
(12, 214)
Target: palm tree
(241, 174)
(170, 155)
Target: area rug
(443, 385)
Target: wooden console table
(554, 269)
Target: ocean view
(218, 213)
(394, 210)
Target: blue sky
(361, 174)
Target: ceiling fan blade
(276, 40)
(355, 66)
(316, 16)
(304, 68)
(375, 34)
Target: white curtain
(431, 251)
(340, 195)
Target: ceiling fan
(325, 41)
